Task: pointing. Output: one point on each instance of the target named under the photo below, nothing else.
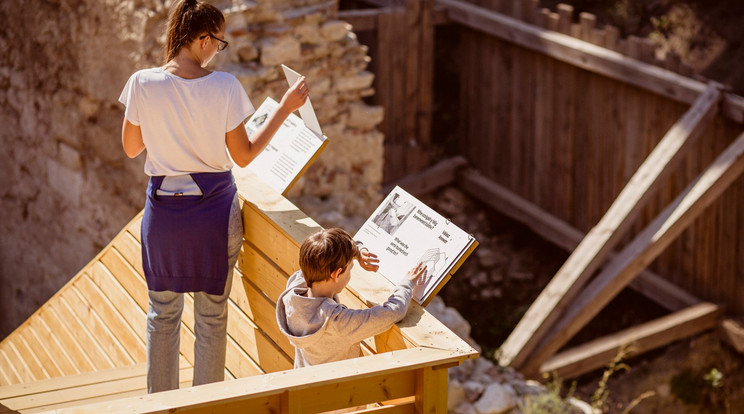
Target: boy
(321, 329)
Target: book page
(306, 110)
(403, 231)
(287, 154)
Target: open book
(403, 231)
(296, 144)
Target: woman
(189, 118)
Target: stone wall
(69, 188)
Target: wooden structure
(84, 350)
(606, 150)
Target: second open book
(403, 231)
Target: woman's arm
(244, 149)
(131, 139)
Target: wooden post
(643, 250)
(602, 239)
(431, 390)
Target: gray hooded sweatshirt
(323, 330)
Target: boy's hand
(417, 274)
(368, 260)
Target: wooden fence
(552, 109)
(568, 140)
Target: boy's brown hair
(325, 251)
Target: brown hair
(187, 21)
(325, 251)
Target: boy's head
(324, 252)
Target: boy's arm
(359, 324)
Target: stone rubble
(479, 386)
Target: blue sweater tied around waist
(184, 238)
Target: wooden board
(636, 340)
(602, 238)
(642, 250)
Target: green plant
(550, 402)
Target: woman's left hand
(368, 260)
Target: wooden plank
(431, 390)
(100, 332)
(262, 312)
(262, 272)
(79, 356)
(132, 342)
(6, 375)
(135, 285)
(565, 236)
(83, 389)
(643, 249)
(126, 305)
(16, 362)
(602, 239)
(68, 312)
(264, 351)
(40, 350)
(363, 19)
(78, 380)
(641, 338)
(355, 392)
(29, 356)
(9, 369)
(587, 21)
(565, 17)
(438, 175)
(587, 56)
(732, 332)
(425, 79)
(238, 362)
(53, 346)
(232, 395)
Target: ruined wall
(67, 186)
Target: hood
(303, 319)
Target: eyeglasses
(221, 46)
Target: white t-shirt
(184, 121)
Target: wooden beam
(602, 239)
(644, 248)
(240, 392)
(587, 56)
(732, 332)
(565, 236)
(364, 19)
(641, 338)
(438, 175)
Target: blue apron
(184, 238)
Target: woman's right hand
(295, 96)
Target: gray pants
(210, 326)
